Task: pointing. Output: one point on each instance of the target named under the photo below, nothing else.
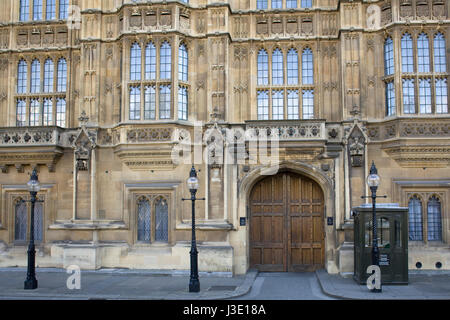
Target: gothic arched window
(164, 102)
(62, 75)
(150, 103)
(278, 105)
(161, 220)
(388, 57)
(37, 9)
(63, 9)
(263, 105)
(434, 219)
(165, 61)
(22, 77)
(407, 53)
(263, 68)
(424, 96)
(277, 67)
(292, 105)
(48, 112)
(24, 10)
(144, 220)
(61, 112)
(292, 67)
(307, 67)
(35, 86)
(182, 63)
(48, 75)
(135, 62)
(440, 61)
(423, 53)
(182, 103)
(150, 61)
(50, 12)
(261, 4)
(409, 105)
(308, 104)
(415, 219)
(441, 96)
(135, 103)
(20, 221)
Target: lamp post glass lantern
(373, 181)
(33, 187)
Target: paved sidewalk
(123, 284)
(422, 285)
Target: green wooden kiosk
(392, 234)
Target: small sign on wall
(330, 221)
(242, 221)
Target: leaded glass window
(35, 76)
(63, 9)
(62, 75)
(263, 105)
(292, 67)
(135, 103)
(37, 9)
(277, 4)
(423, 53)
(440, 63)
(24, 10)
(164, 102)
(48, 112)
(263, 68)
(165, 61)
(20, 221)
(425, 96)
(277, 67)
(150, 61)
(292, 105)
(408, 96)
(261, 4)
(307, 67)
(291, 4)
(278, 105)
(388, 57)
(48, 75)
(441, 96)
(182, 63)
(308, 104)
(38, 221)
(150, 103)
(22, 77)
(135, 63)
(162, 220)
(144, 219)
(415, 219)
(407, 53)
(434, 219)
(35, 112)
(61, 112)
(50, 13)
(21, 113)
(306, 3)
(390, 99)
(182, 103)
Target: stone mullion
(44, 10)
(57, 12)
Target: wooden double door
(287, 224)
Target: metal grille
(434, 220)
(20, 228)
(162, 213)
(415, 219)
(144, 216)
(38, 221)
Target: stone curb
(243, 289)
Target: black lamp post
(373, 180)
(192, 183)
(33, 187)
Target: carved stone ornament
(356, 147)
(83, 145)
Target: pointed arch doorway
(287, 224)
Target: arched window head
(388, 57)
(277, 67)
(183, 63)
(415, 219)
(165, 61)
(48, 75)
(263, 68)
(292, 67)
(307, 66)
(150, 61)
(440, 61)
(407, 53)
(423, 53)
(22, 76)
(135, 62)
(434, 220)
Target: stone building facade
(104, 97)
